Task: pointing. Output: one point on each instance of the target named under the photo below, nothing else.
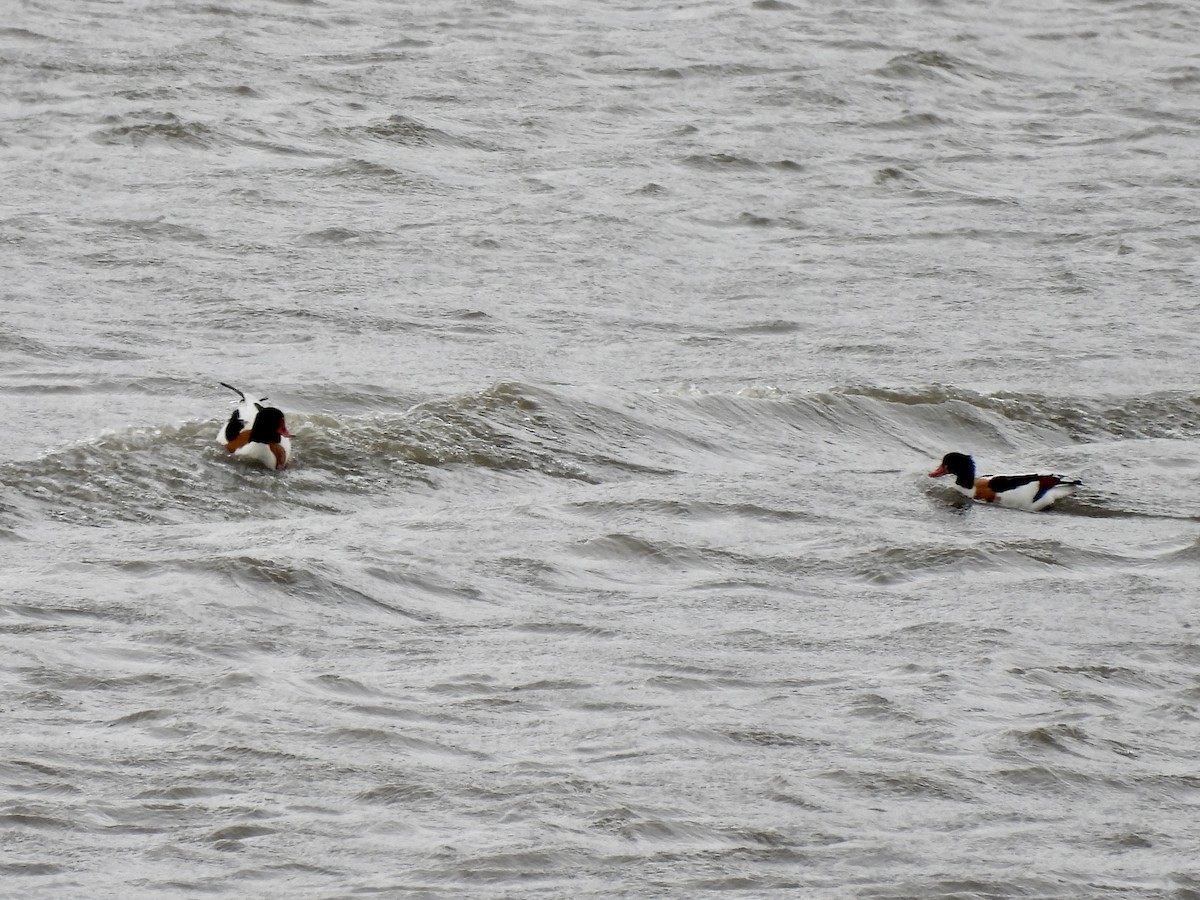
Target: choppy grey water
(617, 339)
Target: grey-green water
(617, 339)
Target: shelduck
(1030, 492)
(256, 432)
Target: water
(617, 340)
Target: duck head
(269, 426)
(961, 466)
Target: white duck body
(241, 418)
(1032, 496)
(244, 440)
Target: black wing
(235, 426)
(1002, 483)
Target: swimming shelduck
(256, 432)
(1032, 492)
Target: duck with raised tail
(257, 432)
(1030, 492)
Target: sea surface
(618, 339)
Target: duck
(1029, 492)
(256, 432)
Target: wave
(1167, 415)
(409, 132)
(176, 473)
(164, 128)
